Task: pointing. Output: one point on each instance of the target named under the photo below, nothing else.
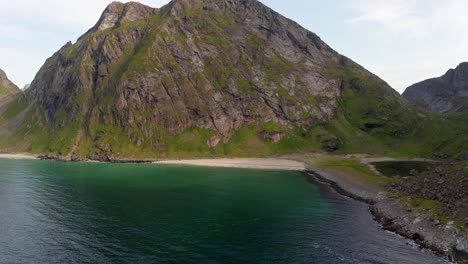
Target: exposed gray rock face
(7, 88)
(448, 93)
(142, 75)
(117, 14)
(214, 141)
(273, 136)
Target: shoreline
(443, 240)
(242, 163)
(386, 210)
(18, 156)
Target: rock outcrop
(448, 93)
(117, 14)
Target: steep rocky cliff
(203, 77)
(448, 93)
(7, 88)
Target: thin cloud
(421, 18)
(397, 17)
(427, 37)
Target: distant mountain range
(448, 93)
(210, 78)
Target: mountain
(7, 88)
(208, 78)
(448, 93)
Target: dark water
(54, 212)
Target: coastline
(387, 210)
(243, 163)
(26, 156)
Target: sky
(402, 41)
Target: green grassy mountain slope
(210, 78)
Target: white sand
(17, 156)
(279, 164)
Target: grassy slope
(401, 168)
(368, 122)
(352, 166)
(7, 91)
(30, 133)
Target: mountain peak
(4, 81)
(177, 7)
(186, 2)
(463, 65)
(462, 68)
(118, 13)
(443, 94)
(180, 7)
(7, 88)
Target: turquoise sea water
(52, 212)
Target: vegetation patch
(284, 94)
(372, 119)
(401, 168)
(353, 166)
(191, 143)
(14, 108)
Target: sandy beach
(280, 164)
(17, 156)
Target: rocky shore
(389, 210)
(444, 239)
